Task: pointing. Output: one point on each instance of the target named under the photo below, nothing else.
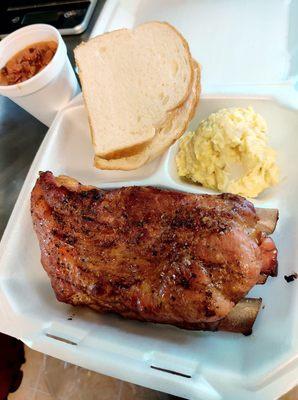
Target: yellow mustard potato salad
(229, 152)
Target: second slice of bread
(163, 139)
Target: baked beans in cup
(35, 71)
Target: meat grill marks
(149, 254)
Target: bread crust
(186, 46)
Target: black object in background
(69, 16)
(11, 359)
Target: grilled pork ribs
(150, 254)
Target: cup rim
(14, 36)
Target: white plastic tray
(212, 366)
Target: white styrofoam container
(210, 366)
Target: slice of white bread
(131, 80)
(164, 138)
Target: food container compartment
(72, 146)
(273, 113)
(206, 365)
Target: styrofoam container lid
(244, 47)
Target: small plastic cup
(53, 87)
